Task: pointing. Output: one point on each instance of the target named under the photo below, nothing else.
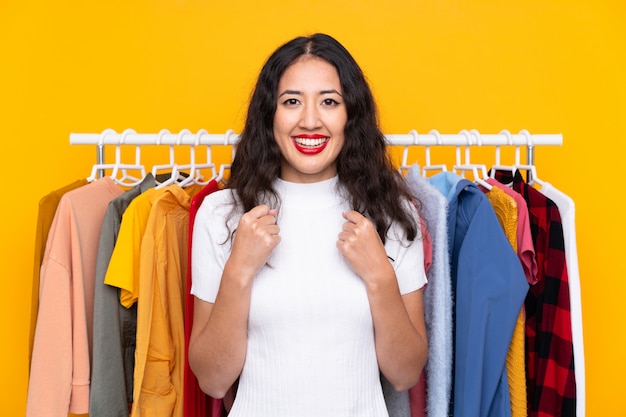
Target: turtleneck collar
(316, 194)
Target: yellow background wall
(549, 67)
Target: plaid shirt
(549, 348)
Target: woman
(308, 268)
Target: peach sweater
(59, 378)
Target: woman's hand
(362, 248)
(399, 329)
(218, 342)
(255, 239)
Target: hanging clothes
(60, 367)
(45, 214)
(489, 287)
(123, 270)
(114, 326)
(417, 394)
(159, 354)
(195, 401)
(74, 278)
(411, 403)
(550, 362)
(438, 304)
(526, 254)
(121, 274)
(567, 208)
(506, 211)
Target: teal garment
(489, 288)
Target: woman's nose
(310, 117)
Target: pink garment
(417, 394)
(59, 378)
(525, 246)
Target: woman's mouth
(310, 144)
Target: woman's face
(309, 121)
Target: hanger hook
(198, 134)
(160, 135)
(479, 142)
(405, 152)
(125, 134)
(104, 133)
(529, 155)
(123, 137)
(227, 136)
(437, 136)
(179, 138)
(526, 134)
(468, 139)
(405, 158)
(507, 134)
(509, 141)
(479, 139)
(118, 151)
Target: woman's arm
(399, 329)
(218, 342)
(400, 333)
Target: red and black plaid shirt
(549, 349)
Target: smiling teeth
(310, 143)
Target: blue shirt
(489, 288)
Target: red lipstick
(310, 144)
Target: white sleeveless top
(310, 332)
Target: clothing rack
(432, 138)
(465, 138)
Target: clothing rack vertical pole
(530, 158)
(100, 158)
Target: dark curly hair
(364, 167)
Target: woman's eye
(291, 101)
(330, 102)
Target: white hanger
(497, 166)
(428, 166)
(404, 165)
(468, 166)
(177, 177)
(100, 167)
(532, 170)
(195, 173)
(224, 167)
(198, 179)
(172, 165)
(125, 180)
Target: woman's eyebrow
(333, 91)
(296, 92)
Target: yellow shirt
(123, 269)
(159, 355)
(505, 207)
